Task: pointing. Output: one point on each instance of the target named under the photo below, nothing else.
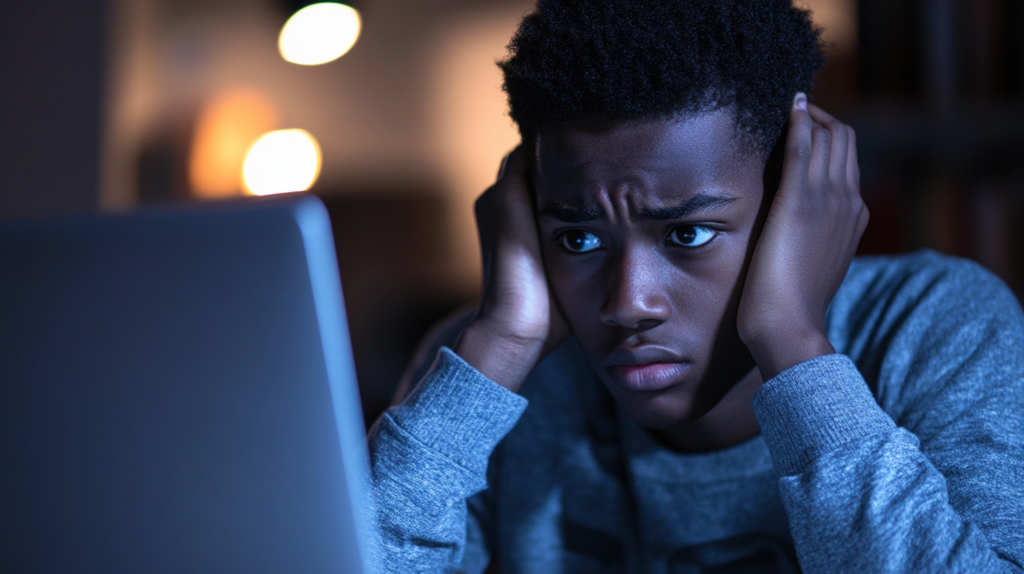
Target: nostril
(635, 317)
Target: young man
(674, 366)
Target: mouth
(646, 369)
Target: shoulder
(919, 292)
(931, 333)
(923, 273)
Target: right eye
(579, 241)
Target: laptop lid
(177, 394)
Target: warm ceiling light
(319, 33)
(281, 161)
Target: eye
(579, 241)
(691, 235)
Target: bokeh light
(227, 125)
(281, 161)
(319, 33)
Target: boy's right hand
(518, 321)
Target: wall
(51, 79)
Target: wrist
(777, 352)
(497, 354)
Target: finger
(821, 151)
(488, 206)
(513, 163)
(839, 137)
(852, 163)
(798, 144)
(505, 212)
(501, 168)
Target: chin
(662, 410)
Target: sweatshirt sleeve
(428, 457)
(861, 493)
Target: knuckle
(800, 147)
(863, 220)
(802, 151)
(841, 132)
(800, 121)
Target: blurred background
(108, 105)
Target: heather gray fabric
(903, 452)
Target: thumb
(798, 142)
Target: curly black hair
(575, 61)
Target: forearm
(428, 456)
(859, 493)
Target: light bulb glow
(319, 33)
(281, 161)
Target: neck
(728, 423)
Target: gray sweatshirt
(902, 452)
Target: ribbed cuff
(459, 412)
(812, 408)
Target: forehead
(660, 160)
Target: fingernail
(800, 101)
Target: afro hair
(574, 61)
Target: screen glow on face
(582, 241)
(691, 235)
(646, 229)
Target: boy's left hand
(809, 238)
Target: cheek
(577, 287)
(721, 280)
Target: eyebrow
(702, 202)
(570, 214)
(567, 214)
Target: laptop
(177, 394)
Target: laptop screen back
(177, 394)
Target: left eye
(579, 241)
(691, 235)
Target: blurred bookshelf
(935, 90)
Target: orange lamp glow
(226, 127)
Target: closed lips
(646, 369)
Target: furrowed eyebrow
(566, 214)
(697, 203)
(703, 202)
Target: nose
(636, 298)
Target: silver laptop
(177, 394)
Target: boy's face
(646, 230)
